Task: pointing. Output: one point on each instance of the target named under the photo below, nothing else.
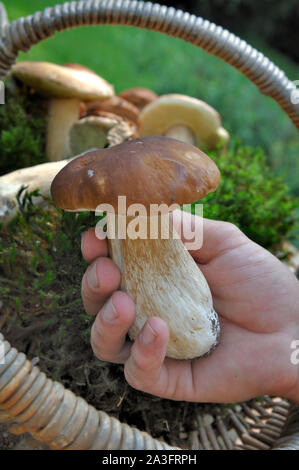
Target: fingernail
(109, 312)
(93, 277)
(148, 335)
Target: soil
(10, 441)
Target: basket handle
(22, 34)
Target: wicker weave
(28, 399)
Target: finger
(108, 333)
(206, 239)
(145, 369)
(92, 247)
(100, 280)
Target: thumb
(205, 239)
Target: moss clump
(22, 129)
(252, 197)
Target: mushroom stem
(181, 132)
(223, 135)
(63, 113)
(163, 280)
(35, 177)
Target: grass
(129, 57)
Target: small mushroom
(35, 177)
(114, 105)
(67, 88)
(123, 131)
(158, 273)
(91, 132)
(99, 131)
(184, 118)
(140, 97)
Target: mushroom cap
(151, 170)
(57, 81)
(81, 67)
(175, 110)
(140, 97)
(115, 105)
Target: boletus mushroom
(139, 97)
(185, 118)
(91, 132)
(35, 177)
(66, 87)
(115, 105)
(157, 272)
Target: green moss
(252, 197)
(22, 129)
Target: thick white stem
(163, 280)
(35, 177)
(181, 132)
(223, 135)
(63, 113)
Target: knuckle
(103, 346)
(99, 352)
(137, 372)
(134, 380)
(230, 227)
(96, 340)
(86, 291)
(97, 330)
(230, 230)
(95, 348)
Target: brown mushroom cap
(115, 105)
(152, 170)
(140, 97)
(81, 67)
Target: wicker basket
(31, 402)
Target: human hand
(256, 297)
